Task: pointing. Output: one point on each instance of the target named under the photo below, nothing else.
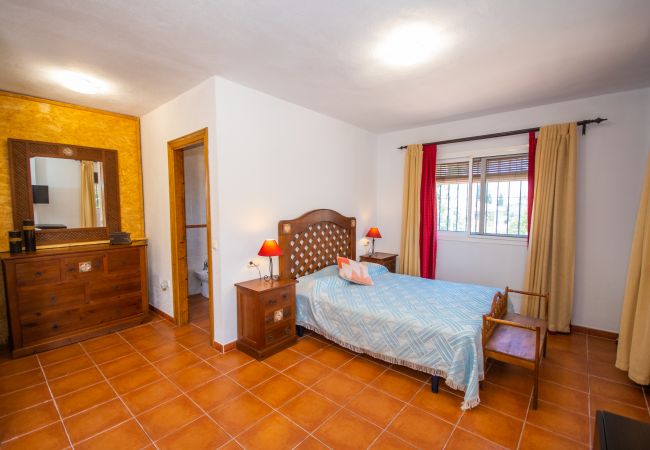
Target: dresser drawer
(277, 298)
(37, 326)
(275, 316)
(127, 260)
(61, 295)
(83, 267)
(278, 335)
(41, 272)
(115, 286)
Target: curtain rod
(582, 123)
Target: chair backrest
(497, 311)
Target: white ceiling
(320, 54)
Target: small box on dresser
(266, 316)
(388, 260)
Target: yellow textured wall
(23, 117)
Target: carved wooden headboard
(313, 241)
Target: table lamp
(270, 248)
(373, 233)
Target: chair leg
(536, 386)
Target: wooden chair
(513, 338)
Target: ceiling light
(410, 44)
(80, 82)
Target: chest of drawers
(59, 296)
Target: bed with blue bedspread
(432, 326)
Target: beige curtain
(409, 262)
(551, 245)
(634, 337)
(88, 213)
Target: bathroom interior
(196, 236)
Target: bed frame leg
(299, 331)
(434, 383)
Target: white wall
(611, 162)
(196, 238)
(275, 161)
(189, 112)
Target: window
(497, 202)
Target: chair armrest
(533, 294)
(512, 324)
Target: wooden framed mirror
(71, 192)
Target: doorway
(189, 201)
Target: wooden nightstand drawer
(388, 260)
(266, 316)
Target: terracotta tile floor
(158, 386)
(199, 311)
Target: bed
(429, 325)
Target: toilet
(202, 275)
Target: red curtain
(428, 211)
(532, 146)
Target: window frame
(444, 157)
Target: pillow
(374, 270)
(353, 271)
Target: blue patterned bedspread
(429, 325)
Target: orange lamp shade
(373, 232)
(270, 248)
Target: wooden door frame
(175, 149)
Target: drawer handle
(38, 274)
(272, 301)
(285, 296)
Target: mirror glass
(67, 193)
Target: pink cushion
(353, 271)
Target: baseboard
(594, 332)
(162, 314)
(224, 348)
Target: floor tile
(230, 360)
(215, 392)
(193, 337)
(332, 356)
(574, 343)
(504, 400)
(102, 342)
(68, 366)
(308, 345)
(610, 372)
(311, 443)
(492, 425)
(201, 434)
(511, 377)
(308, 371)
(309, 410)
(567, 398)
(622, 409)
(24, 398)
(442, 404)
(158, 352)
(19, 365)
(252, 374)
(362, 370)
(60, 354)
(347, 431)
(240, 413)
(338, 387)
(535, 438)
(110, 353)
(168, 417)
(560, 421)
(151, 395)
(122, 365)
(135, 379)
(564, 377)
(464, 440)
(284, 359)
(194, 376)
(388, 441)
(85, 398)
(75, 381)
(278, 390)
(52, 437)
(205, 351)
(398, 385)
(20, 381)
(126, 436)
(272, 432)
(375, 406)
(27, 420)
(425, 377)
(95, 420)
(421, 429)
(568, 360)
(616, 391)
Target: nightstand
(388, 260)
(266, 316)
